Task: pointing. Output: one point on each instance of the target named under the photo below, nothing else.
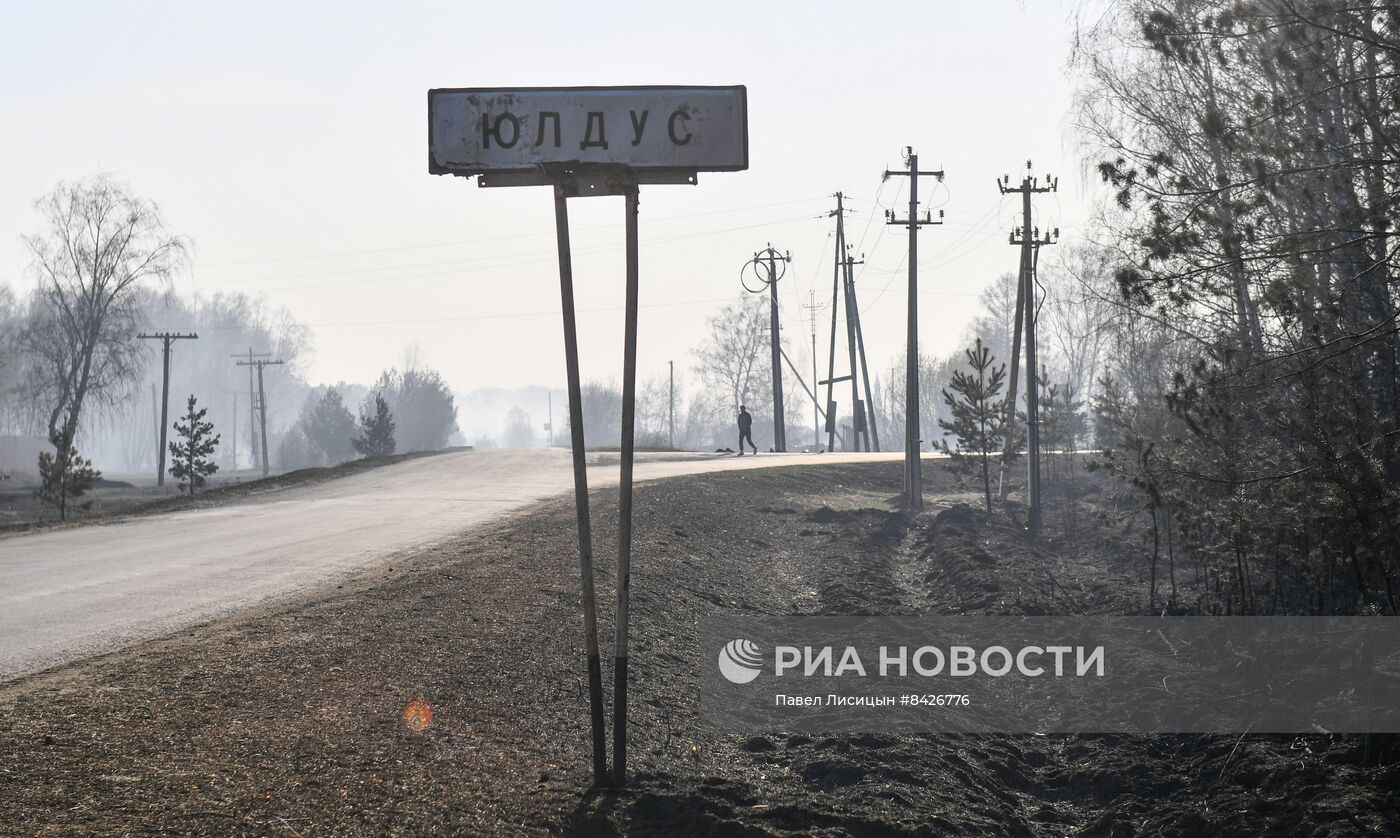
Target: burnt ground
(21, 511)
(310, 717)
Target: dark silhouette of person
(745, 430)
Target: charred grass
(311, 717)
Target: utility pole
(770, 278)
(260, 403)
(1029, 240)
(155, 423)
(812, 308)
(235, 428)
(671, 403)
(865, 415)
(252, 401)
(165, 338)
(842, 289)
(831, 378)
(913, 477)
(858, 424)
(873, 430)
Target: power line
(504, 316)
(432, 245)
(503, 261)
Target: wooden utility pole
(260, 404)
(165, 338)
(872, 432)
(843, 288)
(764, 265)
(1029, 240)
(913, 477)
(864, 412)
(831, 378)
(858, 424)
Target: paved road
(69, 594)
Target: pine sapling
(376, 436)
(63, 474)
(978, 416)
(192, 451)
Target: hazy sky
(288, 141)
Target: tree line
(73, 370)
(1251, 400)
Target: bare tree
(602, 413)
(996, 324)
(102, 243)
(11, 362)
(731, 361)
(1082, 301)
(654, 410)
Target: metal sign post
(587, 141)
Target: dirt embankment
(313, 717)
(21, 511)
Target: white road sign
(475, 131)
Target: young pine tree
(191, 452)
(978, 415)
(63, 474)
(376, 437)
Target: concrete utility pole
(260, 403)
(671, 402)
(913, 477)
(1029, 240)
(770, 278)
(165, 338)
(252, 401)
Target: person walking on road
(745, 430)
